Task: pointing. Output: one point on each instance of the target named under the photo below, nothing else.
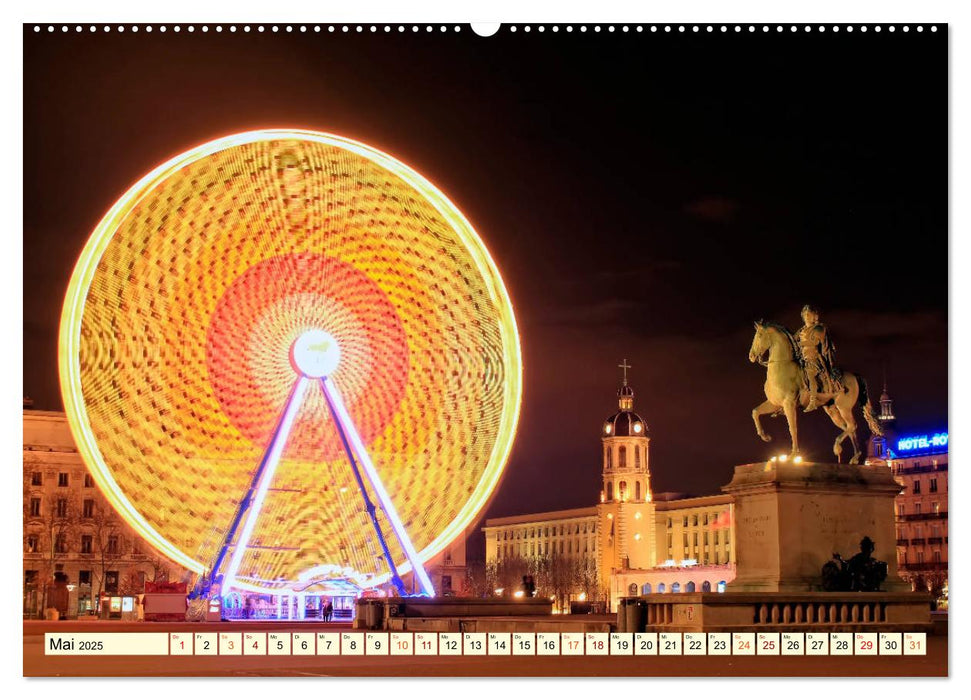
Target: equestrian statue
(801, 372)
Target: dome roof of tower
(625, 390)
(625, 424)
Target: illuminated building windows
(610, 490)
(87, 508)
(901, 509)
(622, 457)
(695, 520)
(637, 458)
(60, 508)
(706, 519)
(685, 523)
(933, 485)
(716, 536)
(36, 479)
(86, 544)
(60, 544)
(609, 458)
(62, 480)
(88, 481)
(917, 508)
(637, 491)
(31, 543)
(916, 485)
(35, 507)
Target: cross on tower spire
(624, 366)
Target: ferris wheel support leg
(252, 502)
(368, 503)
(346, 426)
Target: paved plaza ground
(36, 663)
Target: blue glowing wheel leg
(253, 501)
(368, 504)
(346, 425)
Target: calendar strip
(388, 644)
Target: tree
(160, 568)
(108, 542)
(57, 525)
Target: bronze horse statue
(786, 389)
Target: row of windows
(61, 508)
(694, 519)
(902, 509)
(622, 457)
(31, 578)
(932, 485)
(544, 548)
(112, 544)
(918, 531)
(63, 480)
(543, 532)
(716, 536)
(906, 558)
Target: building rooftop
(588, 512)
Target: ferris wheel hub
(315, 353)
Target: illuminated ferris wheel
(291, 364)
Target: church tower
(879, 445)
(626, 512)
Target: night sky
(645, 196)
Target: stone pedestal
(790, 518)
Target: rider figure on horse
(817, 355)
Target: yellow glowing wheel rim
(175, 346)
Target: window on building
(610, 458)
(87, 544)
(112, 547)
(717, 558)
(937, 509)
(917, 509)
(670, 524)
(88, 481)
(60, 544)
(62, 479)
(84, 578)
(31, 543)
(670, 541)
(933, 485)
(694, 520)
(622, 491)
(706, 519)
(36, 479)
(111, 582)
(920, 557)
(916, 485)
(716, 536)
(684, 539)
(685, 521)
(901, 509)
(637, 490)
(727, 533)
(706, 538)
(561, 546)
(61, 507)
(637, 458)
(87, 508)
(937, 556)
(446, 584)
(695, 539)
(622, 457)
(610, 490)
(35, 507)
